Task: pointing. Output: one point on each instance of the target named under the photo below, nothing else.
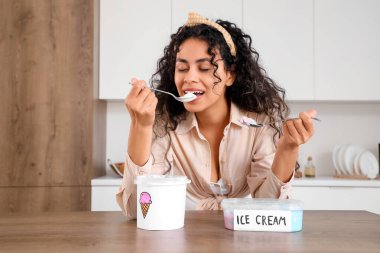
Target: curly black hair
(252, 89)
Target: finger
(286, 130)
(312, 113)
(148, 105)
(143, 108)
(287, 133)
(307, 122)
(150, 95)
(136, 97)
(137, 87)
(141, 97)
(150, 99)
(303, 133)
(151, 107)
(292, 130)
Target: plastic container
(249, 214)
(161, 202)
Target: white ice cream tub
(161, 201)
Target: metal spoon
(252, 123)
(188, 97)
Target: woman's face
(195, 73)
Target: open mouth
(197, 93)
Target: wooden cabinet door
(133, 35)
(347, 55)
(46, 104)
(282, 33)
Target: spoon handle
(162, 91)
(158, 90)
(283, 120)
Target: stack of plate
(354, 160)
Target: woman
(205, 138)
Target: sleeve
(126, 195)
(262, 182)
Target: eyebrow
(197, 61)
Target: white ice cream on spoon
(188, 97)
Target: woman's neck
(216, 117)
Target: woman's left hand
(298, 131)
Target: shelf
(115, 180)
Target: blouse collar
(191, 121)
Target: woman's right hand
(141, 104)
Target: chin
(193, 108)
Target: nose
(191, 76)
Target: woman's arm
(139, 144)
(271, 168)
(141, 104)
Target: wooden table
(323, 231)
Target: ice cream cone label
(145, 202)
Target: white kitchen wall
(342, 122)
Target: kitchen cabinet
(282, 33)
(325, 193)
(211, 9)
(338, 194)
(103, 193)
(321, 50)
(133, 35)
(46, 106)
(347, 55)
(338, 198)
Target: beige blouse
(245, 159)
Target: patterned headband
(195, 19)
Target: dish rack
(354, 162)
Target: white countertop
(332, 181)
(114, 180)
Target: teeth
(195, 92)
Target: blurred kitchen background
(65, 67)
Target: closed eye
(182, 69)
